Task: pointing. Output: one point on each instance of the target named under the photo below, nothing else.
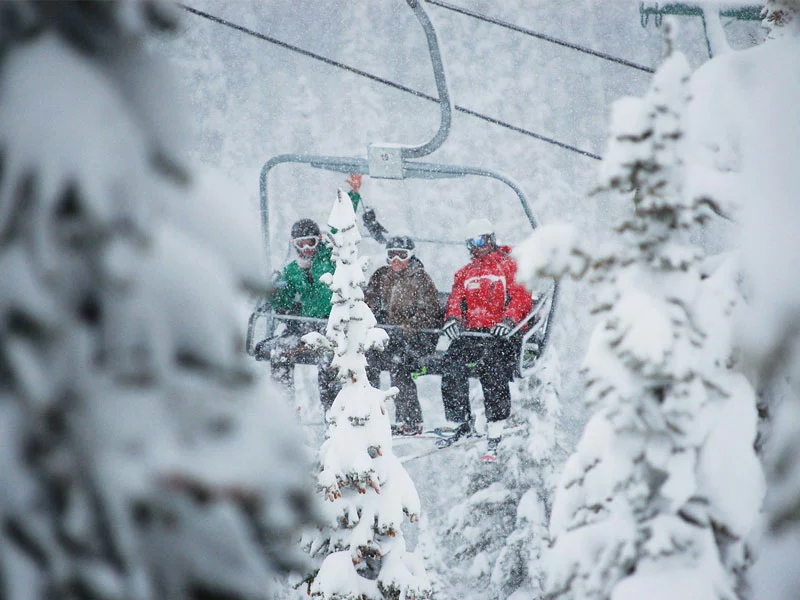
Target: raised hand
(354, 181)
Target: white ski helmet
(478, 227)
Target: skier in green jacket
(300, 292)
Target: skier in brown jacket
(403, 294)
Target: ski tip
(489, 458)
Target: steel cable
(387, 82)
(541, 36)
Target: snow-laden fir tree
(360, 552)
(648, 506)
(140, 458)
(497, 530)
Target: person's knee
(496, 369)
(453, 379)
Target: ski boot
(465, 429)
(491, 450)
(406, 430)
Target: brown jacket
(406, 298)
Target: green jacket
(355, 198)
(297, 294)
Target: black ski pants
(495, 362)
(399, 359)
(284, 358)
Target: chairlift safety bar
(539, 303)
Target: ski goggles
(478, 242)
(309, 241)
(398, 254)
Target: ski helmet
(305, 228)
(400, 242)
(477, 228)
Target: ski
(490, 456)
(463, 442)
(418, 437)
(447, 441)
(437, 433)
(491, 450)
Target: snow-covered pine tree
(646, 507)
(361, 553)
(141, 458)
(497, 533)
(782, 18)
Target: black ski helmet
(402, 242)
(305, 228)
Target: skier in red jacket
(485, 298)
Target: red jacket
(485, 292)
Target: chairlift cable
(541, 36)
(386, 82)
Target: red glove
(354, 182)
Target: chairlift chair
(394, 161)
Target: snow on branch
(552, 251)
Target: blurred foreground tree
(140, 457)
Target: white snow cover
(735, 494)
(361, 553)
(210, 220)
(337, 578)
(764, 152)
